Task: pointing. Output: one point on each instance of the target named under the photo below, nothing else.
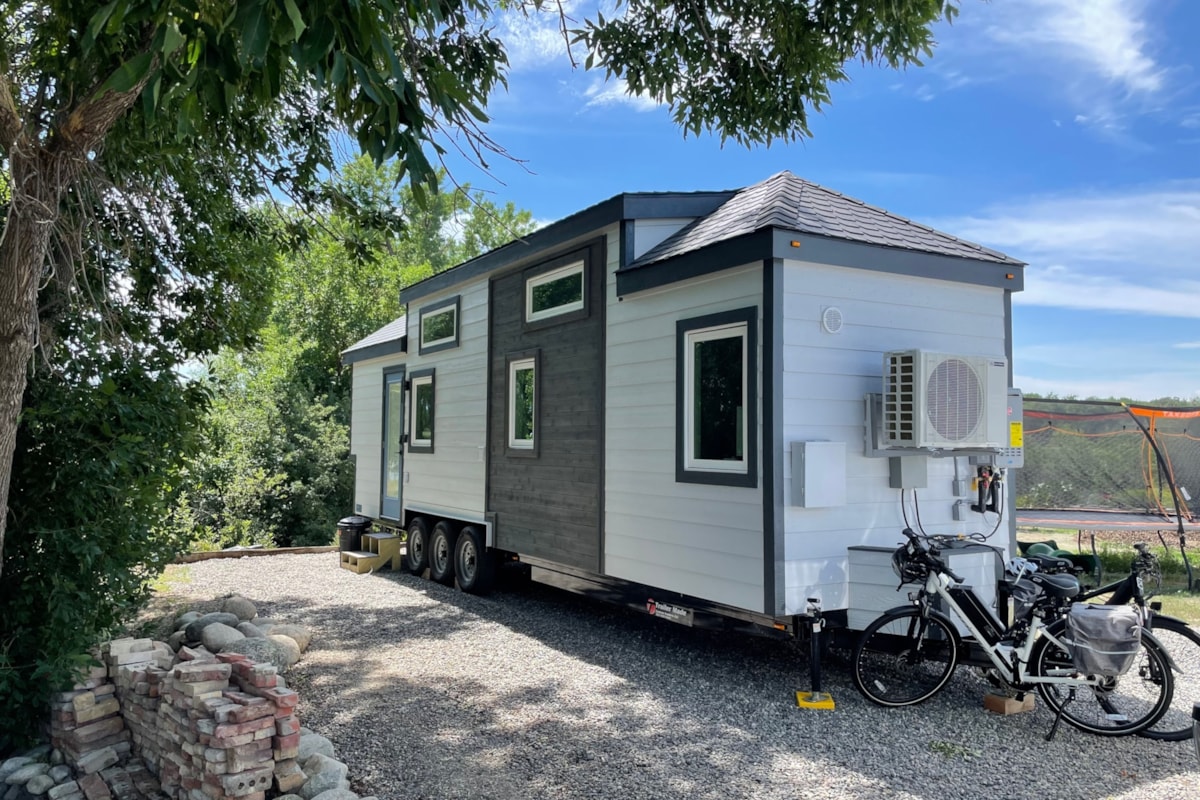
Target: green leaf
(256, 32)
(95, 25)
(128, 74)
(294, 15)
(173, 39)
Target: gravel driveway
(534, 693)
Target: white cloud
(1143, 387)
(616, 92)
(1131, 251)
(534, 40)
(1186, 345)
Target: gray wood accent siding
(548, 505)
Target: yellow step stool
(381, 549)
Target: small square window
(559, 291)
(438, 326)
(522, 411)
(420, 437)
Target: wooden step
(360, 561)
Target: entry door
(393, 443)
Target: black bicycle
(1179, 639)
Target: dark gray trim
(747, 249)
(777, 243)
(897, 261)
(387, 372)
(394, 347)
(412, 410)
(602, 306)
(774, 596)
(434, 308)
(583, 254)
(628, 243)
(682, 327)
(578, 225)
(509, 358)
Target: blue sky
(1063, 132)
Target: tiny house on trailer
(685, 393)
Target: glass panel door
(393, 446)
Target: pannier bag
(1104, 640)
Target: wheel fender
(1146, 634)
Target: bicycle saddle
(1051, 563)
(1060, 587)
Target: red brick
(247, 783)
(236, 729)
(231, 658)
(284, 698)
(287, 726)
(94, 787)
(200, 672)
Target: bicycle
(910, 653)
(1180, 641)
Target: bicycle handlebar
(929, 556)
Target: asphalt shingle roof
(792, 203)
(393, 331)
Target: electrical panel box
(818, 474)
(1012, 453)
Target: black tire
(416, 549)
(1182, 644)
(1119, 706)
(441, 553)
(904, 658)
(473, 562)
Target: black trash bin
(350, 531)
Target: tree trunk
(26, 237)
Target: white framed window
(420, 437)
(559, 291)
(522, 408)
(716, 399)
(438, 326)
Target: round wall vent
(831, 319)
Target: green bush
(95, 461)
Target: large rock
(39, 784)
(239, 606)
(196, 628)
(324, 773)
(250, 630)
(287, 646)
(176, 640)
(186, 618)
(218, 636)
(312, 744)
(265, 625)
(12, 765)
(301, 635)
(336, 794)
(60, 773)
(264, 651)
(22, 775)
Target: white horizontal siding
(451, 479)
(366, 430)
(704, 541)
(824, 379)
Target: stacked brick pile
(214, 727)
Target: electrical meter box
(1012, 453)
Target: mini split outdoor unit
(943, 401)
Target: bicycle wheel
(904, 658)
(1117, 706)
(1182, 644)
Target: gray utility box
(873, 583)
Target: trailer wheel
(416, 551)
(473, 562)
(441, 553)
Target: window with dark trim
(422, 401)
(438, 326)
(521, 416)
(559, 291)
(716, 399)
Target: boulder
(22, 775)
(324, 773)
(336, 794)
(39, 784)
(218, 636)
(239, 606)
(301, 635)
(250, 630)
(196, 628)
(185, 619)
(287, 646)
(265, 625)
(60, 773)
(176, 640)
(12, 765)
(313, 744)
(264, 651)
